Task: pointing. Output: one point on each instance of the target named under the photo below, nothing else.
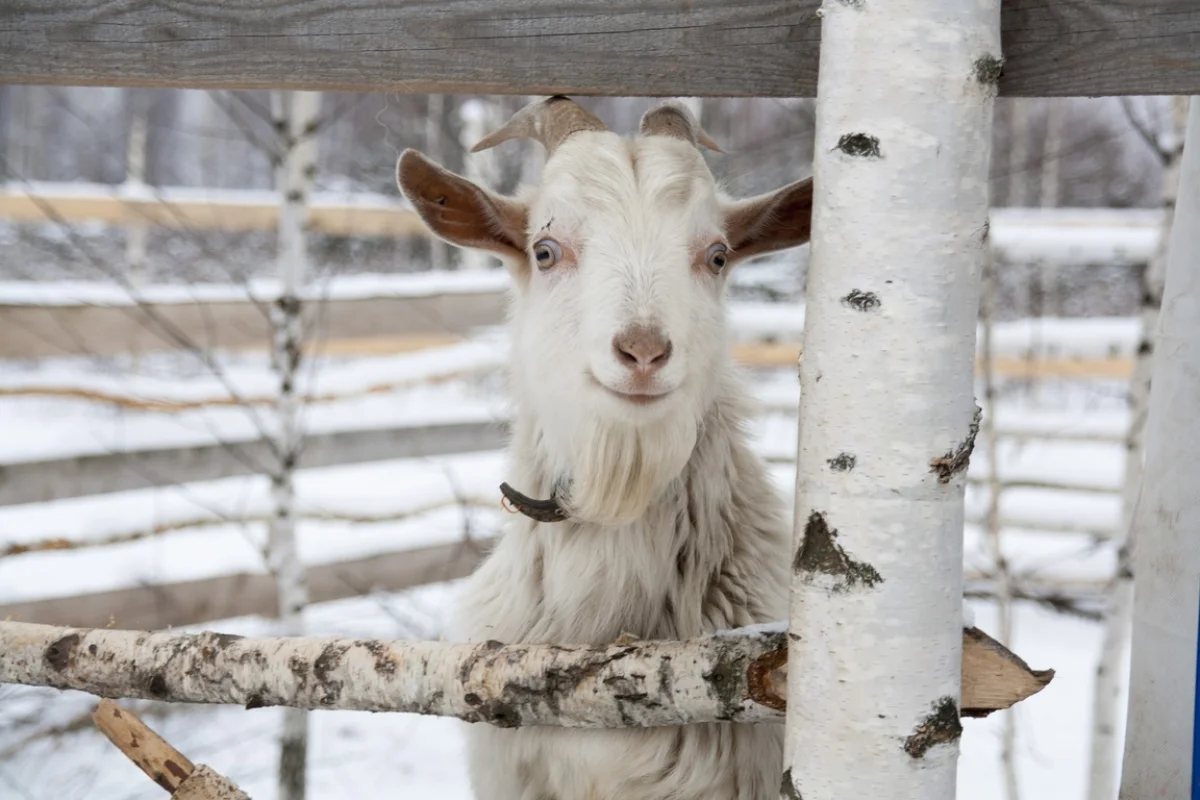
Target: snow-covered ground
(355, 755)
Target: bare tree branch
(734, 676)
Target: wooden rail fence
(714, 48)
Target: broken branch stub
(165, 765)
(733, 676)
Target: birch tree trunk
(478, 120)
(1159, 756)
(904, 114)
(1106, 692)
(732, 676)
(435, 116)
(135, 178)
(1018, 152)
(296, 117)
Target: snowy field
(1051, 534)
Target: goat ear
(460, 212)
(773, 221)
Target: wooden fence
(711, 48)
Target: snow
(344, 287)
(1047, 537)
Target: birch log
(1106, 692)
(734, 676)
(296, 118)
(1163, 671)
(904, 112)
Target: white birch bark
(296, 116)
(1018, 152)
(1158, 741)
(1052, 152)
(904, 114)
(435, 115)
(135, 178)
(478, 120)
(1106, 692)
(733, 676)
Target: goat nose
(642, 348)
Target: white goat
(629, 414)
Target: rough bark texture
(904, 111)
(1158, 741)
(1103, 772)
(737, 676)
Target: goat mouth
(636, 398)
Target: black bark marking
(862, 301)
(255, 701)
(859, 145)
(530, 694)
(956, 460)
(988, 70)
(787, 789)
(327, 662)
(58, 655)
(942, 726)
(486, 649)
(223, 640)
(842, 462)
(385, 665)
(821, 553)
(158, 685)
(727, 681)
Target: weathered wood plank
(29, 331)
(198, 209)
(244, 594)
(57, 479)
(623, 47)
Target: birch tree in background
(1106, 692)
(478, 120)
(295, 115)
(435, 115)
(888, 418)
(1166, 520)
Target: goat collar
(538, 510)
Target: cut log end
(994, 677)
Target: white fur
(676, 529)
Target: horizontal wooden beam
(182, 208)
(103, 473)
(69, 329)
(766, 48)
(243, 594)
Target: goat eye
(547, 252)
(717, 257)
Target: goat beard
(620, 469)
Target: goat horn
(549, 121)
(672, 118)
